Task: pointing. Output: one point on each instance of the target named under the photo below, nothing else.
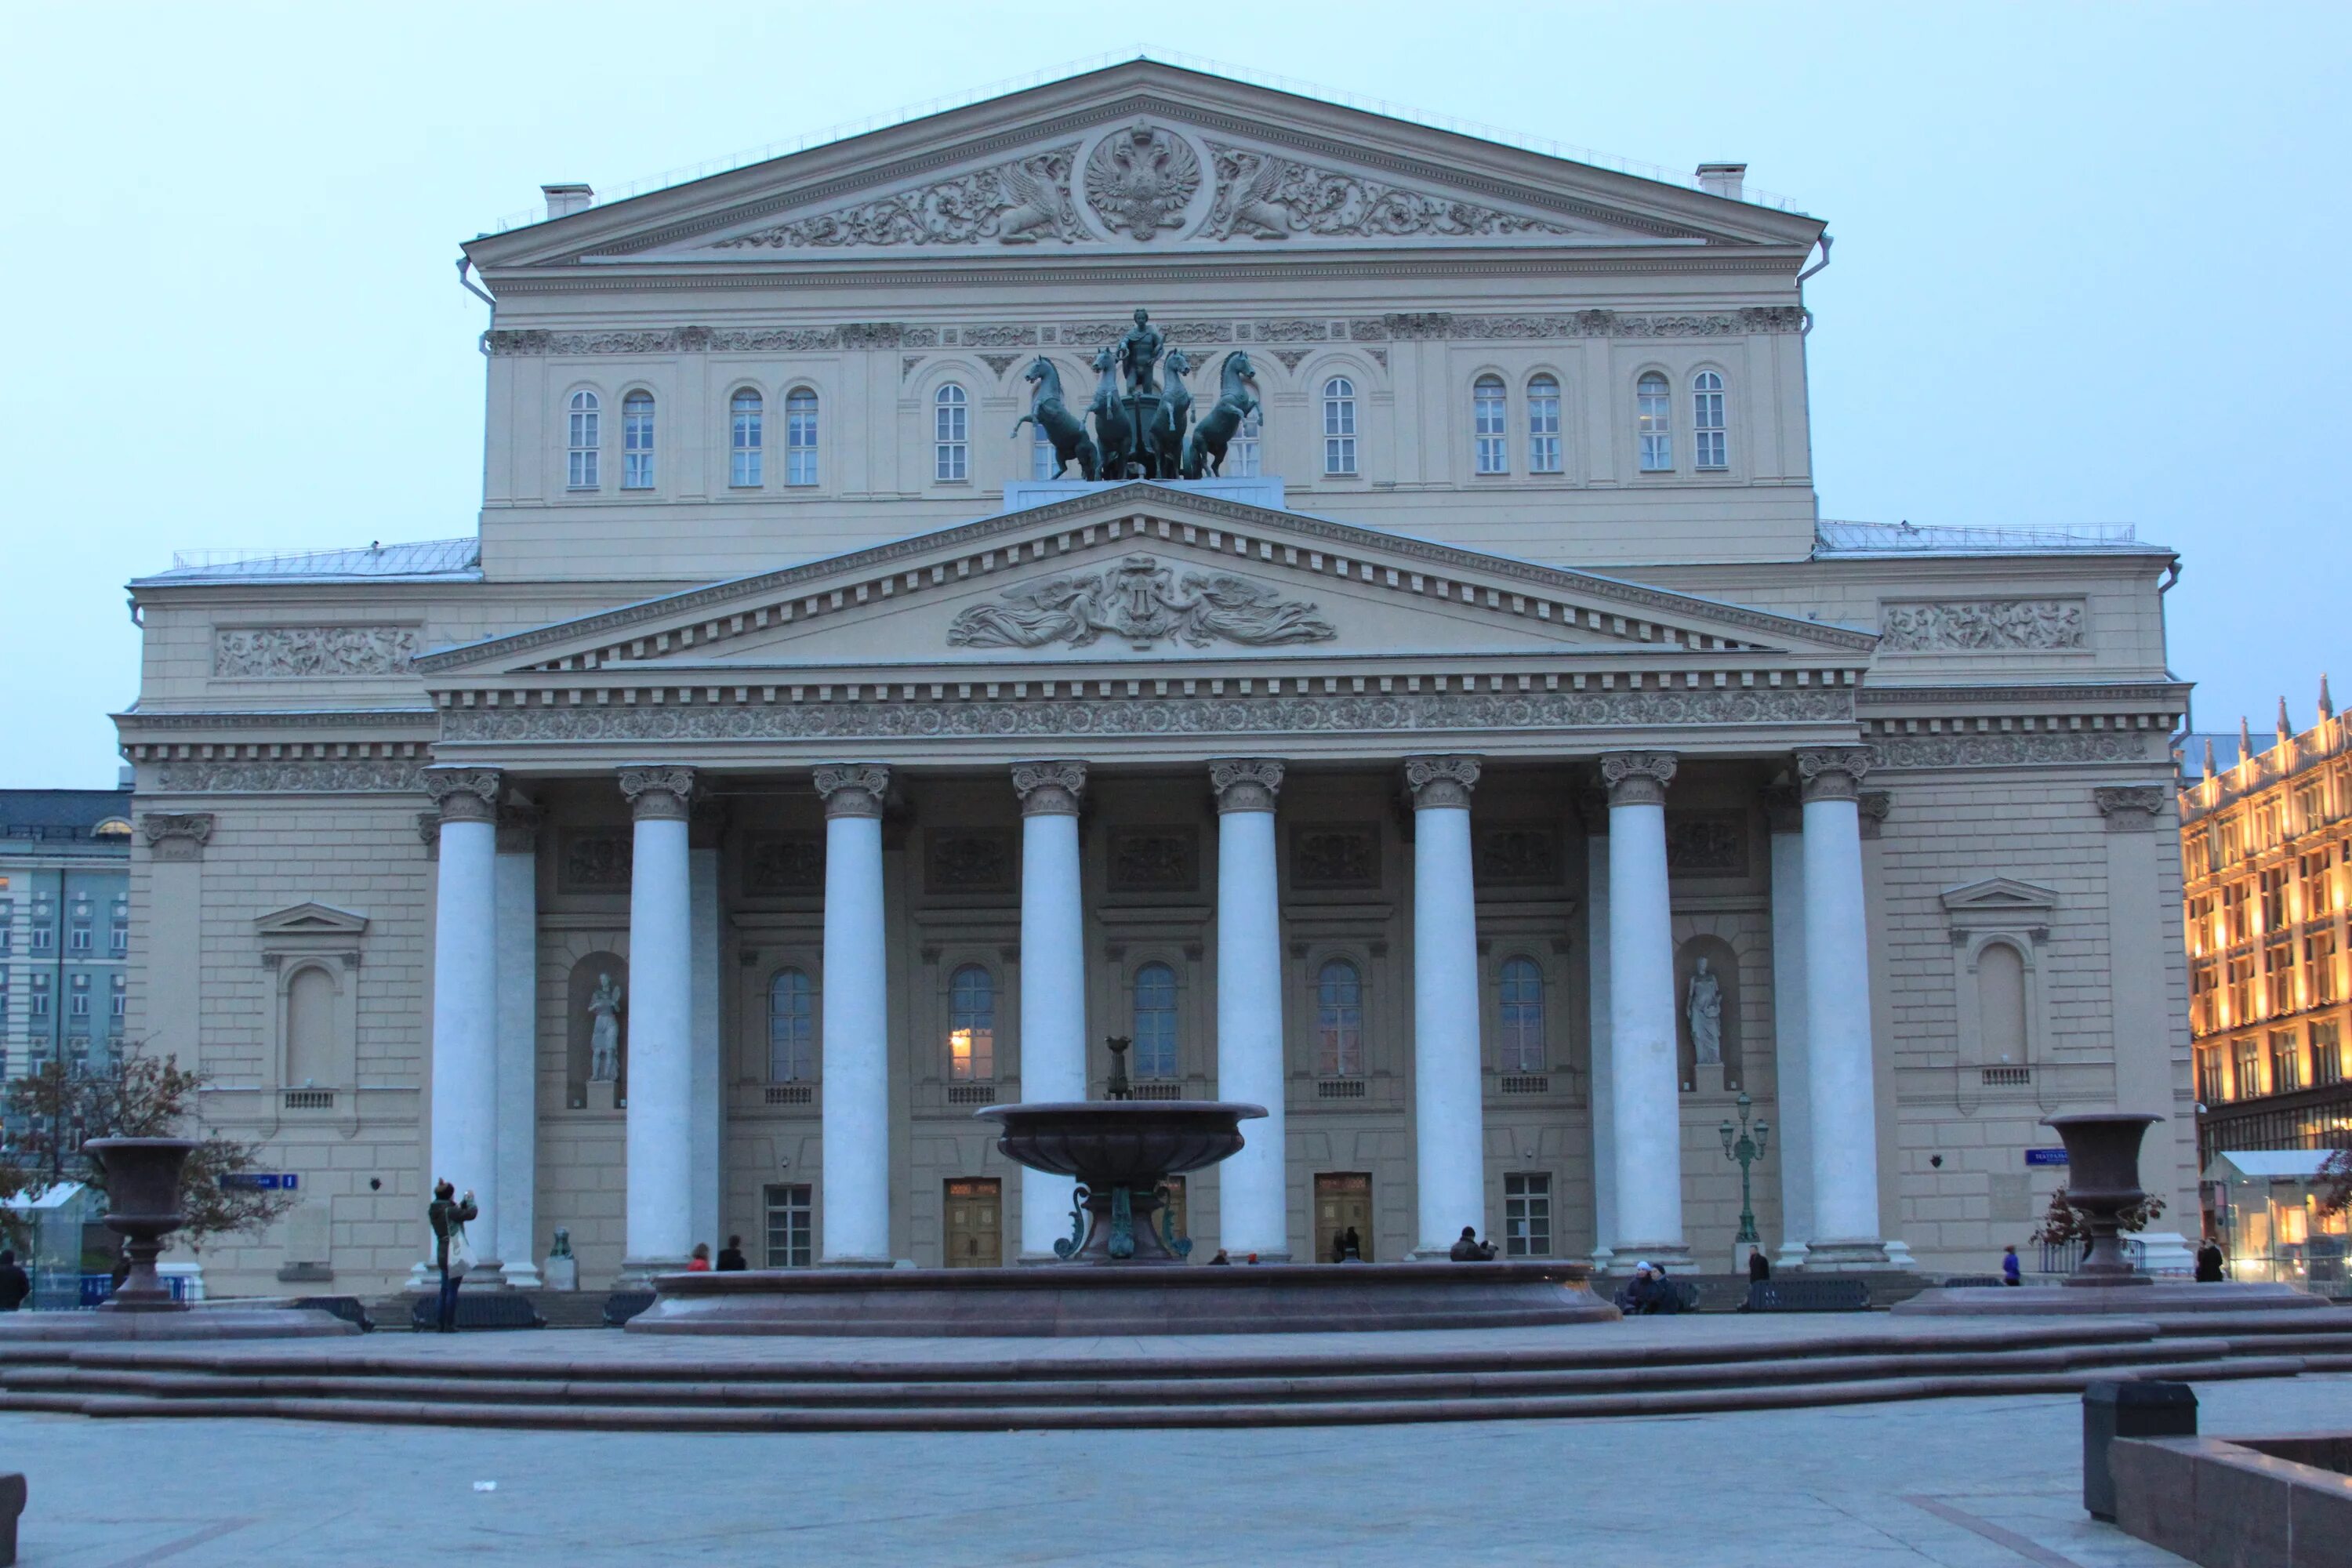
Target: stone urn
(2101, 1181)
(1121, 1150)
(142, 1200)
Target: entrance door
(1342, 1199)
(975, 1230)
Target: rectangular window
(746, 466)
(2273, 884)
(2233, 914)
(119, 999)
(78, 939)
(637, 443)
(1490, 415)
(2203, 979)
(2318, 884)
(1709, 447)
(2248, 1084)
(791, 1227)
(1543, 427)
(2319, 968)
(1653, 415)
(951, 448)
(1339, 433)
(2242, 989)
(44, 929)
(2278, 974)
(2212, 1079)
(2309, 811)
(1526, 1216)
(2326, 1054)
(586, 444)
(800, 438)
(1242, 457)
(2287, 1062)
(40, 1000)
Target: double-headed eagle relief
(1143, 602)
(1140, 180)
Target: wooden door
(1342, 1199)
(975, 1226)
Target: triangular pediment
(310, 919)
(1145, 574)
(1999, 896)
(1148, 158)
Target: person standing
(2209, 1263)
(1759, 1268)
(1352, 1247)
(14, 1283)
(2010, 1269)
(730, 1256)
(700, 1262)
(447, 1213)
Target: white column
(1254, 1195)
(1449, 1129)
(465, 999)
(1791, 1042)
(516, 879)
(855, 999)
(1052, 977)
(709, 1113)
(661, 1026)
(1603, 1087)
(1837, 1014)
(1648, 1120)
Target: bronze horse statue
(1116, 440)
(1204, 449)
(1065, 429)
(1164, 442)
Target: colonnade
(1636, 1114)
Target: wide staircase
(609, 1381)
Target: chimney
(562, 201)
(1722, 180)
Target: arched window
(1487, 418)
(748, 439)
(1339, 426)
(800, 438)
(792, 1027)
(1654, 410)
(1521, 1015)
(971, 1025)
(950, 435)
(1240, 457)
(2000, 1004)
(1338, 1020)
(586, 441)
(1543, 425)
(1710, 446)
(1042, 460)
(637, 441)
(1154, 1052)
(311, 1030)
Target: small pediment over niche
(2000, 900)
(310, 919)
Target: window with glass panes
(40, 996)
(2286, 1061)
(78, 1001)
(2274, 889)
(971, 1025)
(792, 1027)
(2327, 1053)
(747, 450)
(118, 939)
(1153, 1052)
(2248, 1077)
(1653, 412)
(2212, 1085)
(45, 926)
(2319, 968)
(1489, 418)
(586, 442)
(1339, 426)
(637, 441)
(2240, 981)
(118, 1003)
(1042, 459)
(1339, 1020)
(800, 438)
(1526, 1214)
(1710, 446)
(1242, 454)
(79, 934)
(1520, 1013)
(950, 435)
(1543, 425)
(8, 925)
(791, 1227)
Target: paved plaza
(1954, 1482)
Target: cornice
(2125, 694)
(273, 720)
(2038, 748)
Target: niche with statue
(596, 1016)
(1707, 1017)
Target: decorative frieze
(2002, 625)
(1143, 602)
(1637, 778)
(1020, 201)
(1246, 783)
(2130, 808)
(783, 865)
(2017, 749)
(1438, 783)
(1154, 859)
(315, 652)
(248, 775)
(970, 860)
(658, 795)
(1448, 326)
(464, 795)
(852, 789)
(177, 834)
(1335, 857)
(1707, 843)
(1516, 855)
(1262, 195)
(1049, 789)
(593, 860)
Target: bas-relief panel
(782, 864)
(971, 860)
(1516, 855)
(1707, 843)
(593, 860)
(1335, 857)
(1154, 859)
(1983, 625)
(315, 652)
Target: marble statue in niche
(604, 1031)
(1704, 1007)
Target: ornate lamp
(1746, 1146)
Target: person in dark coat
(14, 1283)
(447, 1213)
(1352, 1247)
(730, 1256)
(1759, 1268)
(2209, 1263)
(1469, 1248)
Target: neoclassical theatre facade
(1490, 763)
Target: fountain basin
(1120, 1152)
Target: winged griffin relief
(1143, 602)
(1016, 202)
(1262, 196)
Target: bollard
(12, 1503)
(2136, 1409)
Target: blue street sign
(2045, 1156)
(263, 1181)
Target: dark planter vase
(1121, 1152)
(142, 1200)
(2101, 1181)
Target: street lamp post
(1746, 1147)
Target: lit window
(1154, 1050)
(1707, 438)
(1241, 456)
(1653, 405)
(1543, 425)
(1339, 426)
(950, 435)
(791, 1028)
(971, 1025)
(1338, 1020)
(587, 441)
(1522, 1016)
(1488, 419)
(747, 424)
(2286, 1061)
(1526, 1214)
(800, 438)
(637, 441)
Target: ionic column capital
(1637, 778)
(658, 795)
(177, 834)
(2130, 808)
(1436, 783)
(465, 794)
(1246, 783)
(1049, 789)
(852, 789)
(1832, 772)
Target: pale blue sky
(2088, 263)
